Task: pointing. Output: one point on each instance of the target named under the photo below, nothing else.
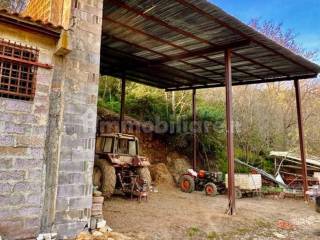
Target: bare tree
(287, 38)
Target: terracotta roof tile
(30, 19)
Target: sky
(303, 16)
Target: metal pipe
(301, 139)
(230, 147)
(194, 126)
(123, 100)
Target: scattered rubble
(97, 220)
(284, 225)
(46, 236)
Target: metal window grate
(17, 70)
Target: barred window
(18, 70)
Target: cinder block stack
(97, 220)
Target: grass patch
(193, 231)
(213, 236)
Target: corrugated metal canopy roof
(179, 44)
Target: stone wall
(72, 127)
(47, 145)
(23, 127)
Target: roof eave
(45, 29)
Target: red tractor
(119, 166)
(211, 182)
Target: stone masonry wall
(22, 139)
(75, 89)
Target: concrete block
(18, 105)
(11, 199)
(35, 174)
(34, 199)
(25, 163)
(71, 190)
(71, 178)
(25, 118)
(6, 140)
(62, 204)
(15, 128)
(71, 229)
(80, 203)
(72, 166)
(12, 175)
(6, 116)
(5, 188)
(37, 153)
(22, 187)
(32, 222)
(6, 163)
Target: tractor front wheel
(211, 189)
(104, 176)
(186, 183)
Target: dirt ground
(171, 214)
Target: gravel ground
(171, 214)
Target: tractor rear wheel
(318, 204)
(211, 189)
(104, 176)
(186, 183)
(145, 175)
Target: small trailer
(246, 184)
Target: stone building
(49, 80)
(49, 76)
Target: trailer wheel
(145, 175)
(211, 189)
(186, 183)
(104, 176)
(238, 193)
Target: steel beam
(123, 101)
(194, 128)
(230, 148)
(301, 139)
(243, 82)
(239, 32)
(176, 29)
(202, 51)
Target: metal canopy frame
(151, 41)
(192, 44)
